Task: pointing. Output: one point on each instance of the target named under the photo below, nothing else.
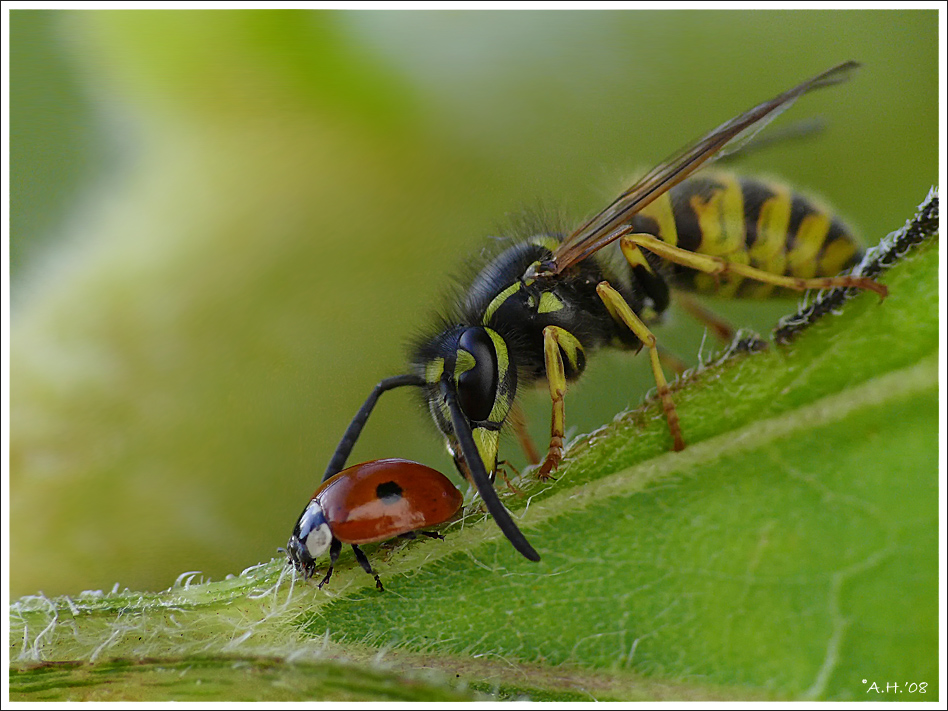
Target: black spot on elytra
(388, 492)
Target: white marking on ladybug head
(314, 530)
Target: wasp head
(470, 386)
(472, 365)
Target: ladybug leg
(412, 535)
(334, 549)
(367, 567)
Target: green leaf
(214, 678)
(281, 196)
(791, 551)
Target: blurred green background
(226, 225)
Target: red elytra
(385, 498)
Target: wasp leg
(717, 266)
(670, 360)
(651, 281)
(519, 422)
(556, 342)
(621, 312)
(719, 327)
(656, 289)
(367, 567)
(334, 549)
(502, 468)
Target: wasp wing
(727, 138)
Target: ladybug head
(311, 538)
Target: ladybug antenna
(485, 486)
(344, 448)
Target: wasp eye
(477, 386)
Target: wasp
(541, 307)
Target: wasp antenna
(481, 479)
(344, 448)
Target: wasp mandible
(539, 309)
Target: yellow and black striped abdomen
(762, 223)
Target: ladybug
(366, 503)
